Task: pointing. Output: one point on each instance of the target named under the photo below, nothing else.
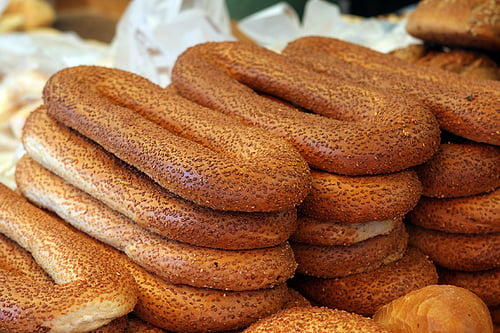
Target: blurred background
(96, 19)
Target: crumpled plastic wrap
(152, 33)
(279, 24)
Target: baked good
(468, 23)
(436, 308)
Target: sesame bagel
(468, 215)
(173, 261)
(459, 170)
(89, 290)
(334, 261)
(317, 320)
(178, 308)
(350, 129)
(364, 293)
(463, 106)
(320, 232)
(482, 283)
(89, 167)
(361, 199)
(194, 152)
(463, 252)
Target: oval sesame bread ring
(92, 169)
(197, 153)
(458, 170)
(364, 293)
(468, 215)
(482, 283)
(463, 106)
(353, 129)
(320, 232)
(462, 252)
(89, 290)
(18, 264)
(175, 262)
(178, 308)
(315, 319)
(361, 199)
(334, 261)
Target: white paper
(276, 26)
(152, 33)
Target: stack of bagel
(360, 142)
(115, 156)
(457, 221)
(194, 188)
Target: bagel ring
(320, 232)
(87, 166)
(89, 290)
(469, 215)
(459, 170)
(173, 261)
(353, 129)
(463, 106)
(350, 199)
(462, 252)
(364, 293)
(194, 152)
(339, 260)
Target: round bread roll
(463, 252)
(315, 319)
(436, 308)
(485, 284)
(364, 293)
(339, 260)
(361, 199)
(459, 170)
(467, 215)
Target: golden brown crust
(229, 167)
(335, 261)
(463, 106)
(90, 168)
(182, 308)
(469, 215)
(173, 261)
(458, 170)
(482, 283)
(361, 199)
(320, 232)
(465, 252)
(315, 319)
(470, 23)
(364, 293)
(461, 61)
(89, 290)
(436, 308)
(353, 129)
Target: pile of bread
(253, 186)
